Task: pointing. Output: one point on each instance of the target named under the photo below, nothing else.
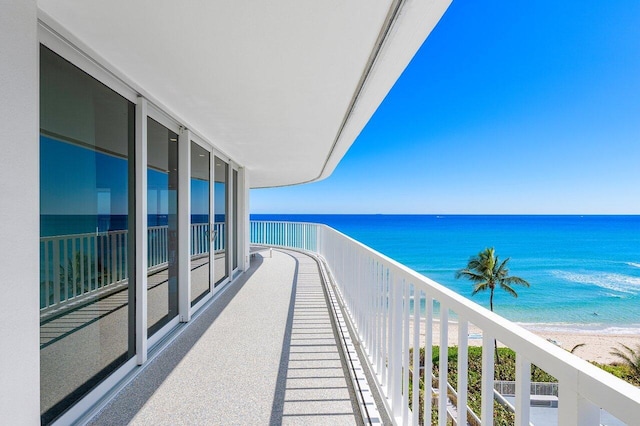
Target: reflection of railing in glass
(75, 267)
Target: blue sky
(508, 107)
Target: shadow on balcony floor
(263, 353)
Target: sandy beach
(597, 347)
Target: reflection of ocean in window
(220, 197)
(104, 209)
(87, 323)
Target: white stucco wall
(19, 215)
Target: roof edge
(407, 26)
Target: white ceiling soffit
(283, 87)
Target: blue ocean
(584, 271)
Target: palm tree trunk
(495, 342)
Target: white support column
(523, 390)
(244, 217)
(486, 409)
(19, 215)
(141, 230)
(212, 222)
(184, 225)
(231, 228)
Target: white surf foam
(633, 264)
(611, 281)
(632, 329)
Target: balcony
(267, 350)
(293, 339)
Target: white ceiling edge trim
(412, 25)
(56, 29)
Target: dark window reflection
(86, 233)
(162, 221)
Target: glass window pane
(162, 225)
(221, 266)
(86, 233)
(200, 236)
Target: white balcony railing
(74, 267)
(379, 294)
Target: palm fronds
(629, 357)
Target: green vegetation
(630, 363)
(504, 370)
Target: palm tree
(486, 272)
(629, 357)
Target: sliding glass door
(89, 156)
(87, 235)
(201, 235)
(162, 225)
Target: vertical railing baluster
(396, 335)
(443, 364)
(370, 284)
(377, 317)
(383, 360)
(114, 256)
(428, 358)
(121, 248)
(126, 255)
(416, 356)
(463, 366)
(82, 271)
(94, 238)
(105, 264)
(56, 271)
(47, 265)
(65, 260)
(115, 249)
(405, 353)
(74, 272)
(487, 378)
(523, 390)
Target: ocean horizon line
(457, 214)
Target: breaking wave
(610, 281)
(631, 329)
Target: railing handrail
(286, 221)
(577, 377)
(518, 338)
